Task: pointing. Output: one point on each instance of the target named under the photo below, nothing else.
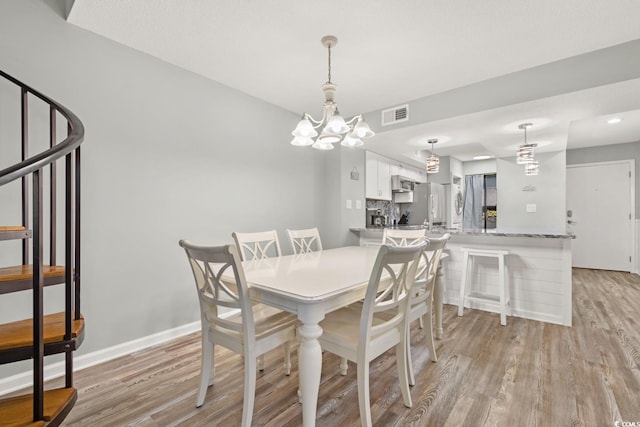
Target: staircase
(35, 224)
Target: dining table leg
(438, 298)
(310, 362)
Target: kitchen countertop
(469, 232)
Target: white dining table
(311, 285)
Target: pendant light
(532, 168)
(433, 162)
(525, 153)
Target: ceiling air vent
(395, 115)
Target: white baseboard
(55, 370)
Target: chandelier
(525, 153)
(433, 162)
(334, 127)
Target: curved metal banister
(34, 167)
(73, 140)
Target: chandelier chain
(329, 49)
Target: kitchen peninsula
(539, 270)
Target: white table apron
(311, 285)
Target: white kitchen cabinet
(398, 168)
(378, 177)
(384, 179)
(410, 172)
(371, 176)
(394, 168)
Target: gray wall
(329, 196)
(352, 190)
(607, 153)
(167, 155)
(547, 191)
(338, 187)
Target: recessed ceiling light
(482, 157)
(614, 120)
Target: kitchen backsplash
(391, 210)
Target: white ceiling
(389, 53)
(577, 119)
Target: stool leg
(463, 282)
(507, 285)
(503, 291)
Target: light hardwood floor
(524, 374)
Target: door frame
(633, 238)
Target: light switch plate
(349, 204)
(531, 207)
(358, 204)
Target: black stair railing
(33, 212)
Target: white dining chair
(256, 246)
(253, 331)
(361, 335)
(408, 237)
(395, 237)
(421, 306)
(403, 237)
(303, 241)
(260, 245)
(422, 294)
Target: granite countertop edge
(474, 233)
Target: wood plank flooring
(527, 373)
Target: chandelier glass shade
(332, 127)
(433, 161)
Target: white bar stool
(503, 298)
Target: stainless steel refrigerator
(429, 203)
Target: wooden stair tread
(13, 232)
(11, 228)
(18, 411)
(20, 333)
(22, 272)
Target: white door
(599, 213)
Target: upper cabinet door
(384, 180)
(371, 176)
(378, 177)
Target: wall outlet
(531, 207)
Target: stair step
(17, 337)
(11, 228)
(18, 411)
(12, 232)
(20, 277)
